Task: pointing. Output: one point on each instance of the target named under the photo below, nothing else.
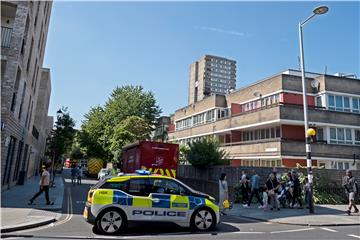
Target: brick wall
(206, 180)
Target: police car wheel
(111, 221)
(203, 219)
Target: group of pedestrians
(76, 174)
(276, 192)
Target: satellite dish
(315, 84)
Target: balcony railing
(6, 36)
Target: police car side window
(116, 185)
(139, 187)
(165, 186)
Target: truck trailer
(156, 157)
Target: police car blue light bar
(142, 172)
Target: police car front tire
(111, 221)
(203, 219)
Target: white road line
(355, 236)
(328, 229)
(293, 230)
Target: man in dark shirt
(273, 185)
(351, 188)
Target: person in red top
(44, 186)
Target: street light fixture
(317, 11)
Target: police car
(113, 202)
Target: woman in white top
(223, 192)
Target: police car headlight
(212, 199)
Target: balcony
(6, 36)
(259, 148)
(324, 150)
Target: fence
(206, 180)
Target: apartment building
(211, 75)
(25, 89)
(262, 124)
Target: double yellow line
(69, 214)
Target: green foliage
(183, 151)
(128, 131)
(205, 152)
(61, 137)
(127, 116)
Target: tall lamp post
(317, 11)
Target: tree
(106, 129)
(128, 131)
(205, 152)
(184, 151)
(61, 137)
(91, 136)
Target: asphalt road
(72, 226)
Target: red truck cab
(157, 157)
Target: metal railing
(6, 36)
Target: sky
(92, 47)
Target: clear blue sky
(93, 47)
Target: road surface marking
(328, 229)
(293, 230)
(355, 236)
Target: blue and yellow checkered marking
(196, 201)
(164, 200)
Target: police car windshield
(99, 183)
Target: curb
(27, 226)
(299, 224)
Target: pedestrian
(296, 196)
(255, 185)
(73, 173)
(44, 186)
(223, 192)
(307, 192)
(244, 187)
(351, 188)
(265, 197)
(273, 185)
(79, 174)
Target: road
(72, 226)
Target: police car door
(167, 202)
(140, 208)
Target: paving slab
(325, 215)
(16, 214)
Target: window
(333, 135)
(16, 89)
(22, 101)
(343, 103)
(166, 186)
(341, 136)
(139, 187)
(331, 102)
(357, 136)
(318, 101)
(123, 186)
(320, 134)
(346, 104)
(338, 103)
(355, 105)
(278, 132)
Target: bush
(205, 152)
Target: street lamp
(317, 11)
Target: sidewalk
(16, 214)
(325, 215)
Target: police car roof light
(142, 172)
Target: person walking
(223, 192)
(244, 187)
(273, 185)
(351, 188)
(73, 173)
(255, 185)
(296, 197)
(79, 174)
(44, 186)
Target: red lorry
(157, 157)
